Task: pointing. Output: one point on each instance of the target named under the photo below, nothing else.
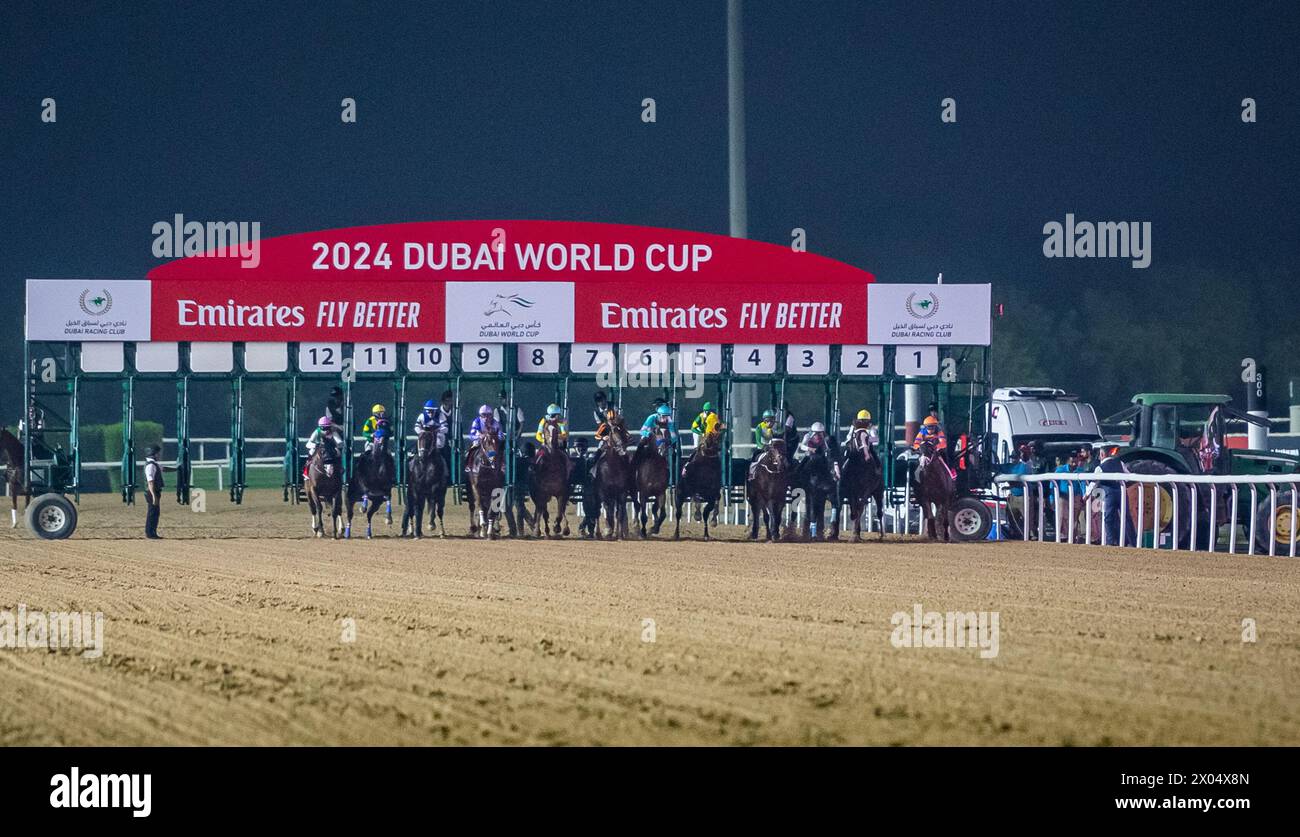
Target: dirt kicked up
(239, 629)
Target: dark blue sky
(1113, 111)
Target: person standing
(153, 479)
(1111, 502)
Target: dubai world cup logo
(923, 308)
(96, 304)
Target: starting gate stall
(526, 307)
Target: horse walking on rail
(373, 475)
(702, 479)
(15, 474)
(324, 485)
(549, 480)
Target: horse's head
(551, 435)
(711, 443)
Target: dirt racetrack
(231, 631)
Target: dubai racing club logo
(96, 304)
(506, 303)
(924, 308)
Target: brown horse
(324, 484)
(703, 479)
(765, 489)
(863, 479)
(426, 485)
(485, 476)
(11, 449)
(613, 481)
(373, 476)
(934, 489)
(650, 465)
(549, 478)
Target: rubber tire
(963, 508)
(1152, 466)
(1263, 521)
(52, 517)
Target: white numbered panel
(157, 357)
(592, 358)
(212, 357)
(538, 358)
(645, 357)
(428, 357)
(103, 357)
(862, 360)
(807, 360)
(482, 357)
(753, 359)
(374, 357)
(700, 359)
(320, 357)
(916, 360)
(266, 357)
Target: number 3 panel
(807, 360)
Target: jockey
(324, 428)
(378, 418)
(931, 429)
(701, 424)
(662, 417)
(814, 440)
(482, 424)
(554, 418)
(433, 420)
(862, 433)
(764, 433)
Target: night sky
(230, 111)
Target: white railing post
(1254, 512)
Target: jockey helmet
(864, 415)
(664, 410)
(930, 421)
(324, 422)
(708, 406)
(485, 410)
(818, 427)
(553, 410)
(430, 405)
(377, 409)
(767, 414)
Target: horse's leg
(347, 527)
(677, 528)
(710, 508)
(661, 512)
(753, 520)
(642, 507)
(562, 521)
(370, 515)
(473, 513)
(388, 508)
(943, 521)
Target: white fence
(1184, 492)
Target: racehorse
(426, 485)
(765, 489)
(324, 484)
(613, 480)
(650, 466)
(485, 476)
(15, 474)
(862, 479)
(373, 475)
(550, 479)
(703, 479)
(934, 487)
(816, 478)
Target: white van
(1048, 416)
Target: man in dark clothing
(334, 407)
(1111, 494)
(153, 479)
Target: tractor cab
(1186, 433)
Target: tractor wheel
(1281, 525)
(52, 516)
(970, 520)
(1154, 466)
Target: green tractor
(1181, 433)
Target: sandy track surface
(217, 637)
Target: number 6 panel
(862, 360)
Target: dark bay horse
(373, 475)
(650, 469)
(549, 479)
(765, 490)
(485, 476)
(703, 479)
(426, 485)
(934, 488)
(324, 484)
(816, 478)
(11, 449)
(613, 481)
(863, 479)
